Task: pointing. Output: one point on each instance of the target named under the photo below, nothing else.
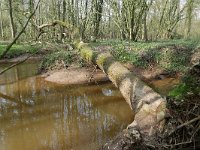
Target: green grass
(190, 85)
(147, 45)
(19, 49)
(171, 55)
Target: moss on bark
(149, 106)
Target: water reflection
(164, 86)
(38, 115)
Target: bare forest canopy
(133, 20)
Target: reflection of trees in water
(59, 117)
(76, 119)
(17, 73)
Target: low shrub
(61, 57)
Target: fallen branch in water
(11, 66)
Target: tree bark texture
(12, 25)
(149, 106)
(1, 22)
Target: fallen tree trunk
(149, 107)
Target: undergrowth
(171, 55)
(19, 49)
(61, 57)
(190, 85)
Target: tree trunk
(189, 12)
(19, 34)
(12, 25)
(72, 13)
(63, 19)
(59, 38)
(1, 22)
(145, 35)
(84, 23)
(149, 107)
(31, 9)
(97, 18)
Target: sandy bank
(76, 75)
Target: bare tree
(188, 21)
(98, 8)
(19, 34)
(1, 21)
(12, 24)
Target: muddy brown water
(164, 86)
(39, 115)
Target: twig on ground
(177, 144)
(184, 124)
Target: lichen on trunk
(149, 106)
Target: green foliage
(179, 91)
(81, 62)
(171, 55)
(121, 53)
(190, 43)
(17, 50)
(61, 56)
(189, 86)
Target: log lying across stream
(149, 107)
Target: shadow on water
(35, 114)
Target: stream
(39, 115)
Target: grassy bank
(60, 56)
(172, 55)
(19, 49)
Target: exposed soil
(145, 74)
(76, 75)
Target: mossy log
(149, 107)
